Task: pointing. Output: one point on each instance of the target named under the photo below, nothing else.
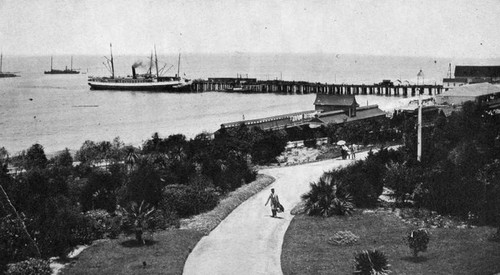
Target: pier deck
(292, 87)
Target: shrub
(136, 218)
(418, 240)
(327, 198)
(343, 238)
(104, 224)
(401, 179)
(162, 219)
(188, 200)
(13, 247)
(372, 262)
(30, 267)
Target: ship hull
(61, 72)
(150, 86)
(2, 75)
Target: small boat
(5, 74)
(140, 82)
(65, 71)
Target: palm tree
(326, 198)
(131, 158)
(371, 262)
(138, 216)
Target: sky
(432, 28)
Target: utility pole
(419, 128)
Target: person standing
(353, 151)
(275, 203)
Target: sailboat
(65, 71)
(140, 82)
(5, 74)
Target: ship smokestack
(135, 65)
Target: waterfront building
(480, 92)
(327, 103)
(472, 74)
(329, 109)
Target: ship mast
(1, 60)
(71, 63)
(179, 66)
(150, 72)
(50, 63)
(156, 63)
(112, 64)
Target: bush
(188, 200)
(161, 219)
(343, 238)
(372, 262)
(13, 247)
(418, 240)
(104, 224)
(30, 267)
(327, 198)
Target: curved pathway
(249, 240)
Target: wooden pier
(292, 87)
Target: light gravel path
(249, 240)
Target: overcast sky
(407, 28)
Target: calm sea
(60, 111)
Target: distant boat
(140, 82)
(65, 71)
(5, 74)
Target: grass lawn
(450, 251)
(165, 254)
(168, 250)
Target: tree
(327, 198)
(137, 217)
(63, 159)
(8, 208)
(35, 157)
(371, 262)
(401, 179)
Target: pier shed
(345, 103)
(339, 116)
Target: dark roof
(477, 71)
(456, 79)
(365, 112)
(335, 100)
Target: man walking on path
(275, 202)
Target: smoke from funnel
(137, 64)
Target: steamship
(65, 71)
(140, 82)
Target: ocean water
(60, 111)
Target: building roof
(274, 120)
(335, 100)
(472, 90)
(456, 79)
(477, 71)
(335, 117)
